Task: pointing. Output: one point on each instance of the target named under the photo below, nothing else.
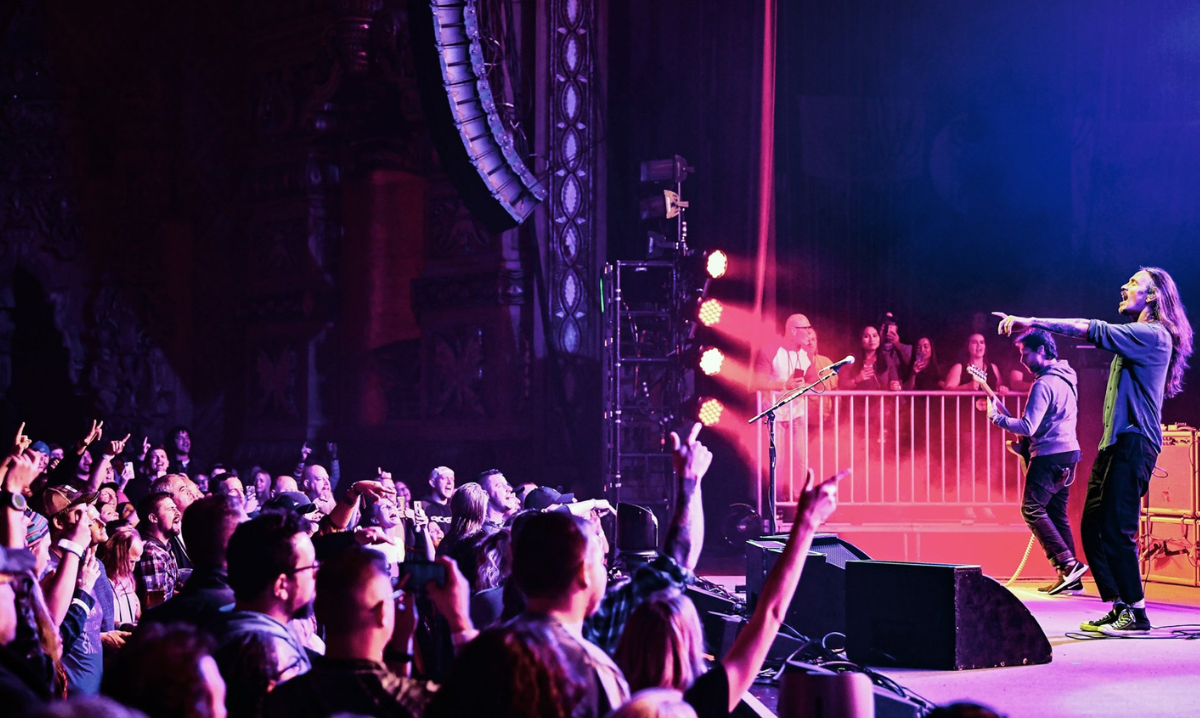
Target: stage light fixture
(674, 169)
(659, 244)
(710, 312)
(710, 412)
(717, 263)
(711, 361)
(666, 205)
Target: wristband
(70, 547)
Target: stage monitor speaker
(1175, 485)
(475, 147)
(819, 606)
(941, 616)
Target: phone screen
(420, 573)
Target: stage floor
(1098, 678)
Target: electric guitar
(1018, 447)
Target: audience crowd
(884, 362)
(134, 583)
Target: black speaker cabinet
(926, 615)
(819, 606)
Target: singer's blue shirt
(1137, 378)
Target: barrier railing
(906, 448)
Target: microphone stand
(769, 414)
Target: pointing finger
(694, 433)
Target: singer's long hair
(1169, 311)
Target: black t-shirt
(709, 693)
(439, 514)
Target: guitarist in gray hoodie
(1049, 423)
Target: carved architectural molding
(456, 373)
(572, 253)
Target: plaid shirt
(157, 571)
(604, 627)
(348, 687)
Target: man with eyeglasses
(272, 571)
(790, 365)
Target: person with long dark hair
(1152, 353)
(958, 379)
(870, 367)
(924, 373)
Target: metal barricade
(906, 449)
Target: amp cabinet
(1175, 485)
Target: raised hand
(1010, 324)
(89, 571)
(372, 535)
(818, 500)
(373, 489)
(116, 447)
(331, 447)
(691, 458)
(79, 527)
(93, 435)
(22, 470)
(145, 448)
(21, 442)
(305, 451)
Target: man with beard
(157, 573)
(319, 489)
(272, 570)
(185, 492)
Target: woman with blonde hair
(121, 554)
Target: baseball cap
(291, 501)
(543, 497)
(54, 499)
(40, 447)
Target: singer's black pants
(1119, 480)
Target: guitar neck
(982, 383)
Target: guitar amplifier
(1168, 551)
(1175, 484)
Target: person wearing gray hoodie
(1049, 421)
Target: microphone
(839, 365)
